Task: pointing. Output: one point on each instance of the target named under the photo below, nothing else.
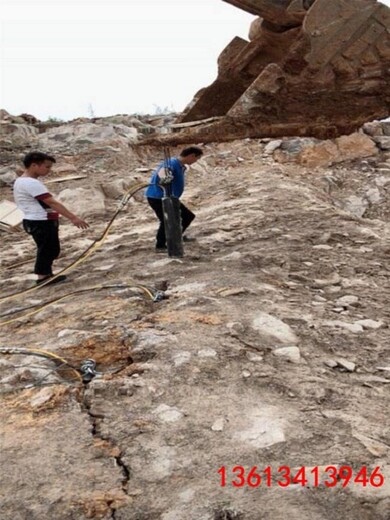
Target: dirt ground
(270, 349)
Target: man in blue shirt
(155, 192)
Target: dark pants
(45, 235)
(186, 218)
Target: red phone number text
(284, 476)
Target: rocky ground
(271, 348)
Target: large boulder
(312, 68)
(83, 202)
(314, 153)
(86, 134)
(17, 131)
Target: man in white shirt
(41, 211)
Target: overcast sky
(70, 58)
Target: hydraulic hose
(153, 294)
(40, 353)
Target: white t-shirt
(29, 195)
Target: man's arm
(61, 209)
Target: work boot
(59, 279)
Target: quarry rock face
(271, 347)
(311, 68)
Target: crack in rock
(86, 403)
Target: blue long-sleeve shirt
(155, 191)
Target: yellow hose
(41, 353)
(79, 291)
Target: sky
(73, 58)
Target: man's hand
(165, 176)
(61, 209)
(164, 181)
(78, 222)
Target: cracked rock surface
(271, 348)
